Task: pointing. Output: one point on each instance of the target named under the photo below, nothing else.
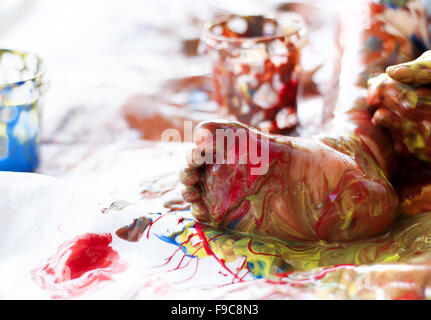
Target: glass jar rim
(208, 35)
(36, 75)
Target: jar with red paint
(255, 62)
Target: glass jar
(20, 93)
(256, 68)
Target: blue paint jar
(20, 96)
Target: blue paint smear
(233, 224)
(172, 241)
(6, 90)
(21, 157)
(250, 265)
(167, 239)
(418, 43)
(373, 43)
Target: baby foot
(300, 190)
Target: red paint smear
(193, 274)
(260, 253)
(151, 224)
(182, 259)
(209, 251)
(324, 272)
(169, 259)
(89, 253)
(86, 260)
(313, 278)
(179, 266)
(409, 296)
(175, 252)
(245, 274)
(193, 254)
(242, 265)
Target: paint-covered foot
(224, 169)
(288, 188)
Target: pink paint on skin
(78, 265)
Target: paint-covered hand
(417, 72)
(402, 97)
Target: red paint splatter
(84, 261)
(242, 265)
(194, 271)
(152, 222)
(180, 266)
(184, 256)
(245, 274)
(209, 251)
(168, 259)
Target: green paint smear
(395, 3)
